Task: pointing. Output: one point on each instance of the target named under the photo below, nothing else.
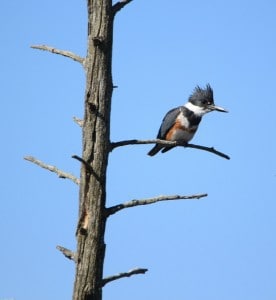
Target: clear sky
(218, 248)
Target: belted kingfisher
(181, 123)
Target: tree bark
(95, 139)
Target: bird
(181, 123)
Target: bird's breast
(181, 130)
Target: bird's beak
(218, 108)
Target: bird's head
(202, 101)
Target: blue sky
(219, 247)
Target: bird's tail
(167, 149)
(155, 150)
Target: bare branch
(208, 149)
(80, 159)
(87, 166)
(65, 53)
(67, 253)
(124, 274)
(119, 5)
(114, 145)
(167, 143)
(78, 121)
(61, 174)
(113, 209)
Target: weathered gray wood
(96, 122)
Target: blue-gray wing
(168, 122)
(166, 125)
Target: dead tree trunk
(95, 139)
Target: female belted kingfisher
(181, 123)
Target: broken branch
(54, 169)
(84, 162)
(113, 209)
(124, 274)
(65, 53)
(78, 121)
(167, 143)
(67, 253)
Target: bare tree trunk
(96, 128)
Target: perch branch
(60, 174)
(67, 253)
(119, 5)
(208, 149)
(113, 209)
(65, 53)
(167, 143)
(124, 274)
